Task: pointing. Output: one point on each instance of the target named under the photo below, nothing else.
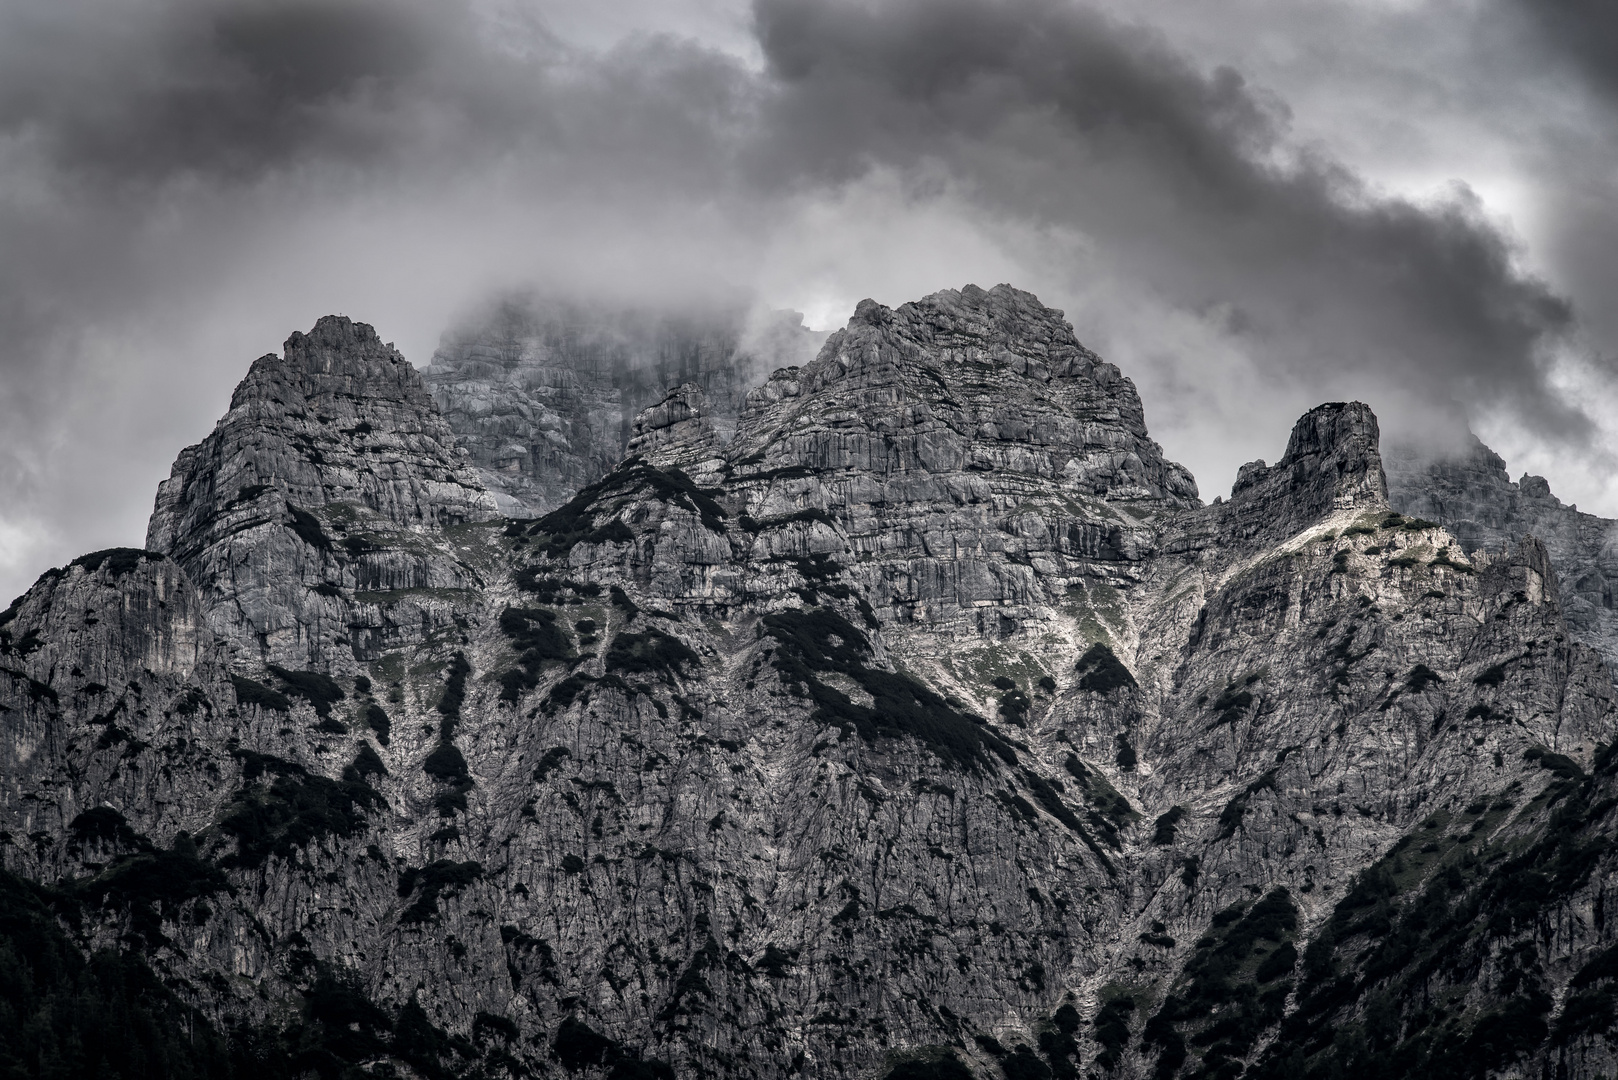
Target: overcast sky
(1251, 206)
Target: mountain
(925, 724)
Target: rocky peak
(1332, 463)
(332, 474)
(338, 417)
(967, 459)
(969, 380)
(909, 735)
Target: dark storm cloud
(1059, 114)
(1049, 113)
(1587, 30)
(148, 91)
(183, 182)
(226, 93)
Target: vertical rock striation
(322, 497)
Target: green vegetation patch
(249, 692)
(453, 697)
(152, 885)
(577, 1046)
(437, 880)
(294, 810)
(1045, 793)
(553, 590)
(1235, 811)
(106, 1015)
(575, 522)
(1167, 825)
(377, 718)
(1444, 558)
(1124, 753)
(812, 514)
(819, 640)
(1014, 706)
(1112, 1029)
(102, 825)
(1102, 672)
(1231, 703)
(308, 529)
(118, 561)
(366, 763)
(1058, 1055)
(1420, 678)
(109, 1015)
(317, 689)
(539, 638)
(1390, 981)
(652, 653)
(447, 765)
(942, 1066)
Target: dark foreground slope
(928, 727)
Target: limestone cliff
(319, 515)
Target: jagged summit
(1332, 463)
(969, 380)
(1471, 493)
(338, 417)
(1471, 490)
(329, 476)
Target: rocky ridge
(930, 726)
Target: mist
(1221, 205)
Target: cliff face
(929, 726)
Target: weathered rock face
(929, 727)
(975, 464)
(543, 394)
(1332, 464)
(106, 659)
(325, 497)
(1472, 496)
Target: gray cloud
(184, 182)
